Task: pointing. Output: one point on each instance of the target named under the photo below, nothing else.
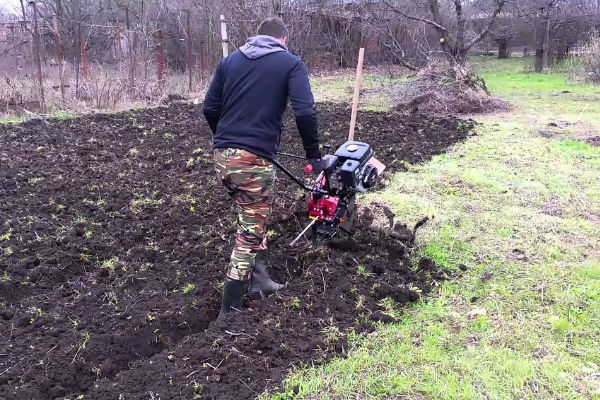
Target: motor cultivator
(331, 202)
(350, 170)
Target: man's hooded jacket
(248, 95)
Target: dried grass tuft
(589, 54)
(106, 88)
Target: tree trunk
(561, 54)
(460, 57)
(503, 48)
(540, 38)
(547, 53)
(539, 60)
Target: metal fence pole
(130, 49)
(59, 58)
(202, 64)
(160, 65)
(189, 48)
(84, 66)
(36, 40)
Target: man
(244, 106)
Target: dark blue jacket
(248, 95)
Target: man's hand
(318, 165)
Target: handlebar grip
(308, 169)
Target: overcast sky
(9, 4)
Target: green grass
(516, 202)
(188, 288)
(554, 94)
(110, 264)
(62, 115)
(340, 88)
(12, 119)
(53, 113)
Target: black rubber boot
(261, 284)
(233, 295)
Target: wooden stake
(224, 39)
(359, 69)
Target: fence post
(12, 42)
(189, 55)
(160, 65)
(59, 58)
(129, 49)
(36, 40)
(278, 9)
(144, 44)
(24, 28)
(202, 66)
(84, 68)
(118, 42)
(224, 38)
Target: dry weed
(106, 88)
(441, 89)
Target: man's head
(274, 27)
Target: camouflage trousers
(248, 179)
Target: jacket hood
(261, 45)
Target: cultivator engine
(350, 170)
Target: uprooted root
(397, 231)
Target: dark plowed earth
(114, 238)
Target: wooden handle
(359, 69)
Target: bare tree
(543, 25)
(450, 19)
(558, 24)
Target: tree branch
(487, 28)
(401, 58)
(460, 22)
(413, 18)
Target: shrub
(590, 55)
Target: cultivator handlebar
(294, 177)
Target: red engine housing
(323, 209)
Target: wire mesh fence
(101, 61)
(106, 53)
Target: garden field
(115, 236)
(114, 240)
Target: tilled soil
(114, 240)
